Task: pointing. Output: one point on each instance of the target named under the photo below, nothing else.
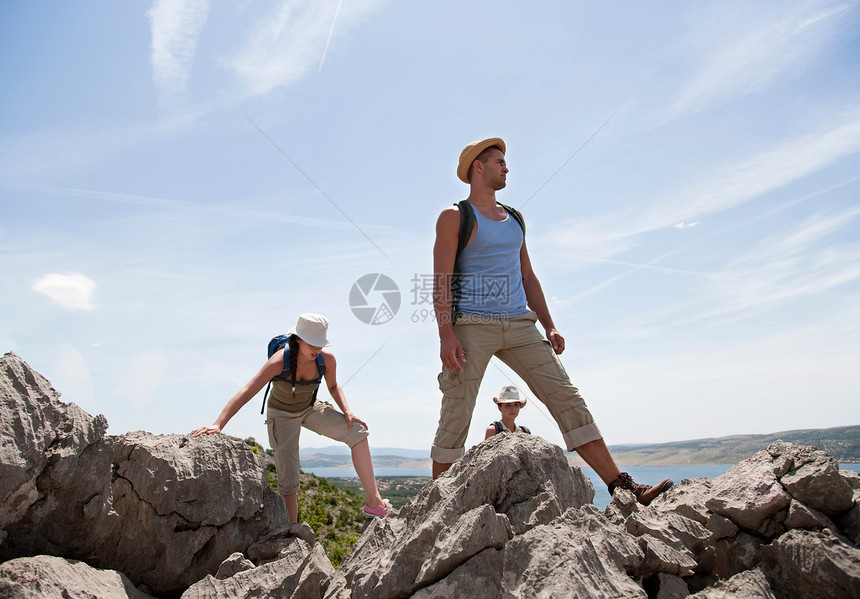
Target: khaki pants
(517, 343)
(284, 428)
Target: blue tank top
(492, 282)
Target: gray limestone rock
(302, 573)
(49, 577)
(750, 584)
(510, 519)
(164, 510)
(569, 558)
(749, 494)
(814, 479)
(817, 565)
(233, 565)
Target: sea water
(649, 475)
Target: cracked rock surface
(193, 518)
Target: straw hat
(311, 328)
(470, 152)
(510, 394)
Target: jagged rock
(47, 445)
(272, 545)
(621, 506)
(477, 577)
(801, 516)
(501, 494)
(849, 523)
(662, 558)
(303, 572)
(751, 584)
(731, 555)
(720, 527)
(511, 519)
(570, 558)
(666, 586)
(814, 479)
(749, 494)
(164, 510)
(675, 530)
(49, 577)
(233, 565)
(810, 564)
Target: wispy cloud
(286, 44)
(805, 261)
(176, 26)
(72, 291)
(683, 225)
(330, 33)
(229, 211)
(608, 235)
(761, 51)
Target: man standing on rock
(487, 300)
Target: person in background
(509, 404)
(293, 405)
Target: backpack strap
(500, 428)
(526, 429)
(320, 370)
(467, 225)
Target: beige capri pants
(284, 427)
(517, 343)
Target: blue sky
(179, 180)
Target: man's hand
(452, 353)
(556, 340)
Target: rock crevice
(168, 516)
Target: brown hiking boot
(644, 494)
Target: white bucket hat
(311, 328)
(510, 394)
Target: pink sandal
(378, 512)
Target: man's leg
(533, 359)
(459, 390)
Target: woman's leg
(292, 501)
(325, 420)
(363, 465)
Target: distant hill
(843, 443)
(341, 450)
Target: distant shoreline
(842, 443)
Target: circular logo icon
(374, 298)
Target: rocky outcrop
(49, 577)
(164, 510)
(510, 519)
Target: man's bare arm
(444, 254)
(537, 300)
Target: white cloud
(746, 60)
(176, 26)
(287, 43)
(683, 225)
(72, 291)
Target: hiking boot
(645, 494)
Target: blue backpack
(277, 343)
